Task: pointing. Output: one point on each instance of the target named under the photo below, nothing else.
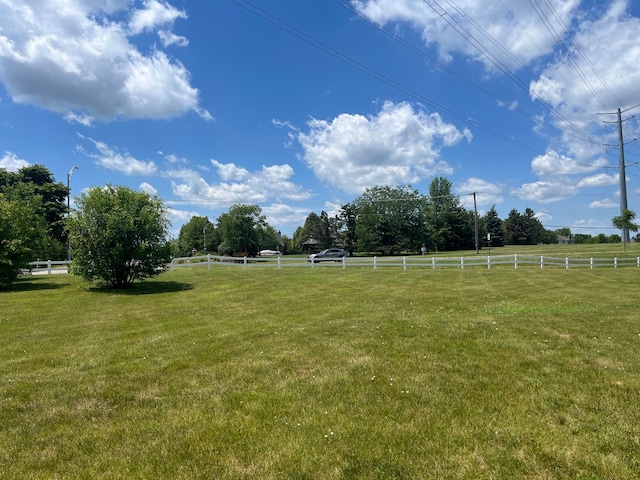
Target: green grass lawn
(324, 374)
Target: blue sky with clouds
(299, 106)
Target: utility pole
(475, 210)
(69, 208)
(623, 178)
(622, 170)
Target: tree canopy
(22, 232)
(198, 234)
(385, 219)
(118, 236)
(244, 229)
(38, 181)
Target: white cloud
(281, 214)
(545, 192)
(553, 163)
(515, 33)
(109, 158)
(169, 38)
(487, 193)
(74, 57)
(11, 162)
(399, 145)
(605, 203)
(155, 14)
(148, 188)
(79, 118)
(230, 171)
(599, 180)
(600, 76)
(237, 185)
(543, 217)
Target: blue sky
(299, 106)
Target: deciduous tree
(198, 234)
(245, 229)
(22, 231)
(118, 236)
(37, 180)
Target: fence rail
(49, 266)
(216, 261)
(516, 260)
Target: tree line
(117, 235)
(383, 220)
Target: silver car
(328, 255)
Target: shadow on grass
(30, 284)
(145, 288)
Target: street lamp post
(69, 208)
(204, 238)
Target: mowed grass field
(324, 373)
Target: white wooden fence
(49, 266)
(517, 260)
(540, 261)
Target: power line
(283, 25)
(468, 36)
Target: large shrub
(118, 236)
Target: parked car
(269, 253)
(328, 255)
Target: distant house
(565, 240)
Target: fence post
(375, 263)
(591, 263)
(49, 267)
(209, 261)
(344, 262)
(433, 262)
(515, 261)
(461, 263)
(541, 262)
(245, 262)
(404, 263)
(566, 261)
(638, 261)
(279, 262)
(615, 262)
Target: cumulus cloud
(599, 180)
(154, 14)
(586, 80)
(517, 33)
(545, 191)
(605, 203)
(487, 193)
(12, 163)
(236, 185)
(553, 163)
(111, 159)
(76, 57)
(399, 145)
(148, 188)
(230, 171)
